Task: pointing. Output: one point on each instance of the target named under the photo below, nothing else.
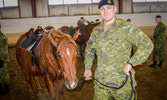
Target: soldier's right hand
(88, 75)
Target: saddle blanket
(31, 44)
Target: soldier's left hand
(127, 68)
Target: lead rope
(115, 88)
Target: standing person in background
(4, 75)
(97, 21)
(129, 21)
(159, 42)
(81, 24)
(112, 41)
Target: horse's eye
(58, 56)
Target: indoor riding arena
(19, 16)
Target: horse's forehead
(69, 45)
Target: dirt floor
(152, 83)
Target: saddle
(31, 43)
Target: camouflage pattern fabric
(120, 94)
(159, 42)
(4, 76)
(81, 26)
(113, 49)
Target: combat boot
(1, 90)
(6, 89)
(154, 64)
(160, 64)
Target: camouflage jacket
(159, 33)
(113, 49)
(3, 47)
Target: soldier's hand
(88, 75)
(127, 68)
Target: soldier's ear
(115, 9)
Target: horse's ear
(75, 35)
(55, 35)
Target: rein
(114, 88)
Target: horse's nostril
(72, 85)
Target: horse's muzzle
(72, 85)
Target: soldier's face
(157, 20)
(108, 12)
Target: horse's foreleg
(28, 80)
(60, 89)
(49, 85)
(37, 84)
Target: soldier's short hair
(158, 16)
(82, 18)
(128, 20)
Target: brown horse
(57, 58)
(83, 38)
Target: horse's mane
(58, 38)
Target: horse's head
(66, 55)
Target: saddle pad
(71, 31)
(29, 41)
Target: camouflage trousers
(119, 94)
(80, 48)
(158, 51)
(4, 75)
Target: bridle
(59, 56)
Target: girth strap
(34, 60)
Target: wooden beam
(120, 6)
(33, 6)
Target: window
(96, 1)
(1, 3)
(70, 1)
(8, 3)
(84, 1)
(149, 0)
(53, 2)
(61, 2)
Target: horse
(56, 58)
(83, 38)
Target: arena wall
(25, 8)
(42, 9)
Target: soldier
(97, 21)
(4, 75)
(81, 24)
(159, 42)
(112, 41)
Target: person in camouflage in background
(159, 42)
(81, 24)
(4, 75)
(112, 41)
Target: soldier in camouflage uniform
(112, 41)
(81, 24)
(4, 76)
(159, 42)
